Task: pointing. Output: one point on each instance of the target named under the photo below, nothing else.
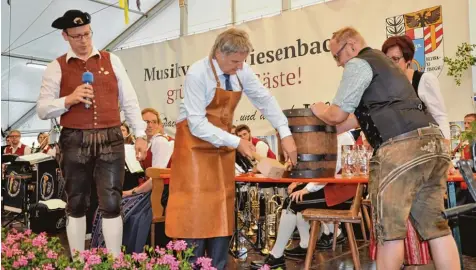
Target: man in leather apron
(202, 186)
(408, 171)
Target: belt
(431, 130)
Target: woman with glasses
(401, 50)
(427, 87)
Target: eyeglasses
(151, 122)
(14, 136)
(336, 56)
(396, 59)
(86, 35)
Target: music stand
(8, 158)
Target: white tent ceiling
(27, 36)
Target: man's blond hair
(153, 111)
(232, 41)
(343, 34)
(14, 131)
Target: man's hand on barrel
(319, 108)
(246, 148)
(298, 195)
(289, 149)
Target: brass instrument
(275, 213)
(266, 249)
(253, 200)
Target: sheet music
(131, 161)
(35, 158)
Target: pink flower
(48, 267)
(140, 257)
(265, 267)
(31, 255)
(69, 268)
(23, 261)
(27, 232)
(51, 255)
(204, 262)
(40, 241)
(160, 251)
(85, 254)
(94, 259)
(180, 245)
(171, 261)
(170, 245)
(16, 264)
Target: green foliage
(464, 59)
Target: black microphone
(88, 78)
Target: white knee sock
(328, 228)
(303, 228)
(112, 231)
(76, 232)
(286, 228)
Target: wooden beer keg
(316, 144)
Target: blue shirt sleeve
(355, 80)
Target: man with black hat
(91, 140)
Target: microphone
(88, 78)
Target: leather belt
(431, 130)
(314, 128)
(312, 157)
(318, 173)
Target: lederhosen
(91, 141)
(202, 185)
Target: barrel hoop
(316, 128)
(312, 157)
(298, 112)
(319, 173)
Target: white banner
(291, 54)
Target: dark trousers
(216, 248)
(93, 156)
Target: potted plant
(464, 59)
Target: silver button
(95, 124)
(95, 118)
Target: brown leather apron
(202, 183)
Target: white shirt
(199, 90)
(27, 150)
(50, 105)
(345, 138)
(162, 150)
(430, 93)
(262, 149)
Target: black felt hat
(72, 18)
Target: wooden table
(339, 179)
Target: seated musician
(302, 197)
(45, 148)
(16, 147)
(262, 148)
(126, 133)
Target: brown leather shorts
(408, 180)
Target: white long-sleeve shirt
(199, 90)
(50, 105)
(430, 93)
(162, 150)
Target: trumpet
(275, 208)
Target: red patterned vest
(104, 112)
(20, 150)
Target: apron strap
(215, 73)
(216, 76)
